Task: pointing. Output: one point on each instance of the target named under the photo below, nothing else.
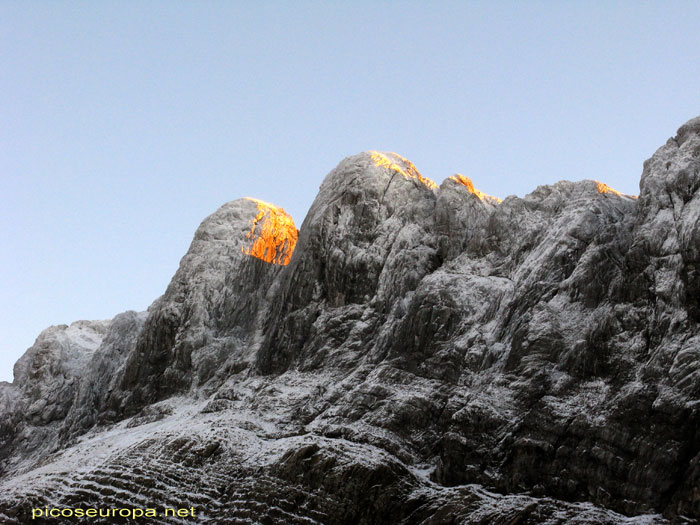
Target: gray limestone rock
(428, 355)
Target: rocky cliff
(414, 353)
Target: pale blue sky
(124, 124)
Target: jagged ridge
(422, 343)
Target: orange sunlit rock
(466, 181)
(273, 235)
(409, 170)
(604, 188)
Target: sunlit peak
(408, 169)
(604, 188)
(273, 234)
(466, 181)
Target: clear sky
(124, 124)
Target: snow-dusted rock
(422, 354)
(208, 315)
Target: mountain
(413, 354)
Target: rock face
(414, 354)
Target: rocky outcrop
(414, 354)
(210, 310)
(47, 380)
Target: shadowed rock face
(419, 354)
